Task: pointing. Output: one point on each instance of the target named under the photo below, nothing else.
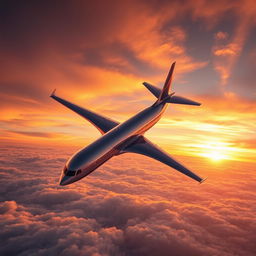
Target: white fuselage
(89, 158)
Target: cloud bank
(130, 206)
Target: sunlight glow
(215, 156)
(217, 150)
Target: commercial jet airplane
(127, 137)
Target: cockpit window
(71, 173)
(68, 172)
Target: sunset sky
(97, 54)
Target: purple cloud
(140, 208)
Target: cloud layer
(130, 206)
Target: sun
(216, 150)
(216, 156)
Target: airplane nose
(63, 180)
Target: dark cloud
(119, 57)
(243, 74)
(26, 27)
(66, 27)
(123, 210)
(45, 43)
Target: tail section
(165, 94)
(165, 91)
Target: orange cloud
(229, 50)
(102, 69)
(228, 53)
(221, 35)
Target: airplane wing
(103, 124)
(147, 148)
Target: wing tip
(203, 180)
(53, 93)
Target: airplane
(127, 137)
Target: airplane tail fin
(165, 91)
(165, 95)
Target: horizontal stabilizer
(153, 89)
(180, 100)
(147, 148)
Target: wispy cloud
(228, 48)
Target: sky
(97, 54)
